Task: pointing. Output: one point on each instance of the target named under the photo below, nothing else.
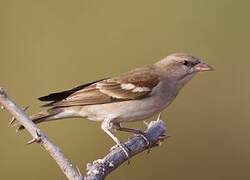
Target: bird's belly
(126, 111)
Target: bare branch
(99, 169)
(39, 137)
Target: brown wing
(133, 85)
(58, 96)
(64, 94)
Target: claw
(147, 142)
(114, 147)
(145, 138)
(124, 148)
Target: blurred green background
(47, 46)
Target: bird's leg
(118, 127)
(107, 127)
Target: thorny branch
(97, 170)
(39, 137)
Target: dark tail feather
(42, 116)
(58, 96)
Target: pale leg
(118, 127)
(107, 127)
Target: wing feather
(136, 84)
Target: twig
(39, 137)
(99, 169)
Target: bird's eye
(187, 63)
(190, 64)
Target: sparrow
(136, 95)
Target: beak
(203, 67)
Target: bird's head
(181, 67)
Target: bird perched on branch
(133, 96)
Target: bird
(133, 96)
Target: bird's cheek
(190, 70)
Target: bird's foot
(145, 138)
(124, 148)
(148, 144)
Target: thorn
(163, 135)
(32, 141)
(146, 123)
(78, 170)
(149, 150)
(159, 117)
(13, 119)
(159, 143)
(38, 134)
(26, 108)
(168, 137)
(18, 128)
(161, 138)
(37, 139)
